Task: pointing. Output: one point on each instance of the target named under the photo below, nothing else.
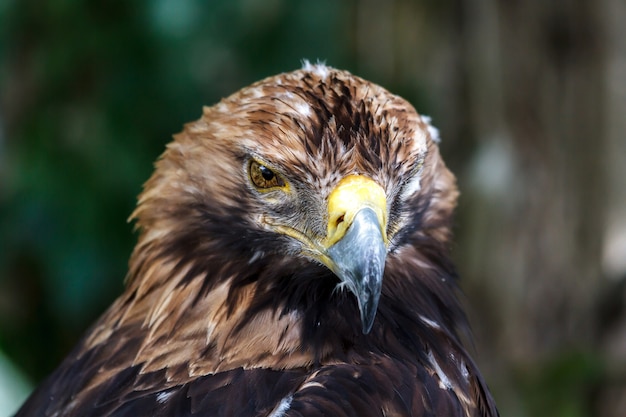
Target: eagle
(293, 259)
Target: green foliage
(563, 386)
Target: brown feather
(223, 316)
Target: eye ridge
(263, 177)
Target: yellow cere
(352, 194)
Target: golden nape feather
(293, 260)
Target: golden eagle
(293, 260)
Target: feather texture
(226, 315)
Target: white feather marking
(412, 186)
(303, 108)
(464, 371)
(282, 407)
(432, 130)
(256, 256)
(320, 69)
(430, 322)
(311, 384)
(257, 93)
(162, 397)
(444, 381)
(209, 331)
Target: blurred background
(529, 96)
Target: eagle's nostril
(339, 220)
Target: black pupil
(267, 173)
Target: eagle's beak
(356, 241)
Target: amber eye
(263, 177)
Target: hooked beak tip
(359, 259)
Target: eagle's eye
(263, 177)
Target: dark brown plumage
(254, 287)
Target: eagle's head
(263, 211)
(293, 260)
